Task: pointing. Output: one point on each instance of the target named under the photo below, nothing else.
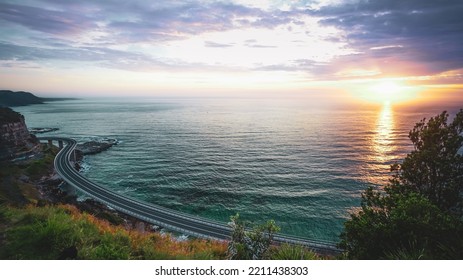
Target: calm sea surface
(286, 160)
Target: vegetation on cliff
(19, 181)
(7, 115)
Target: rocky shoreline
(95, 147)
(39, 130)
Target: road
(154, 214)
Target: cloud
(122, 34)
(102, 56)
(381, 37)
(253, 44)
(210, 44)
(192, 18)
(305, 65)
(44, 20)
(70, 27)
(429, 32)
(139, 21)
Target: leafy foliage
(435, 168)
(256, 244)
(418, 215)
(413, 226)
(250, 245)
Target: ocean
(289, 160)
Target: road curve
(154, 214)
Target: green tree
(434, 168)
(418, 215)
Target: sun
(388, 91)
(387, 87)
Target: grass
(48, 232)
(292, 252)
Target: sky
(382, 49)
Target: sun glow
(387, 87)
(386, 91)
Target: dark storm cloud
(430, 32)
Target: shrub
(250, 245)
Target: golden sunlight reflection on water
(383, 141)
(382, 144)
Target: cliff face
(15, 138)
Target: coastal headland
(10, 98)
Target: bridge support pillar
(50, 143)
(60, 144)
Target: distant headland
(10, 98)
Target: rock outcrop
(95, 147)
(15, 139)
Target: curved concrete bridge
(154, 214)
